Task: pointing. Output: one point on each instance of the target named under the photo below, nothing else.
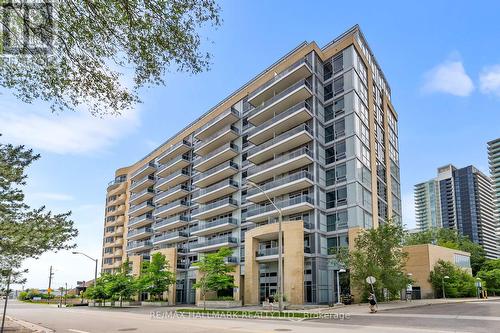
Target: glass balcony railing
(208, 225)
(201, 159)
(143, 168)
(216, 134)
(279, 96)
(169, 163)
(219, 117)
(169, 235)
(280, 76)
(171, 205)
(271, 251)
(280, 138)
(171, 220)
(141, 181)
(278, 160)
(134, 232)
(173, 148)
(280, 182)
(168, 192)
(280, 116)
(139, 219)
(136, 244)
(215, 187)
(215, 241)
(205, 208)
(141, 193)
(215, 170)
(162, 181)
(254, 210)
(134, 208)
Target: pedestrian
(372, 300)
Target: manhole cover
(127, 329)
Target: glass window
(338, 85)
(329, 134)
(337, 221)
(337, 174)
(327, 92)
(327, 70)
(338, 63)
(328, 112)
(339, 106)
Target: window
(335, 153)
(327, 92)
(108, 250)
(338, 85)
(329, 112)
(327, 70)
(337, 197)
(339, 106)
(339, 128)
(337, 221)
(334, 243)
(338, 63)
(337, 174)
(462, 261)
(329, 134)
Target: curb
(31, 326)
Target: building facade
(494, 161)
(459, 199)
(316, 131)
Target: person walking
(372, 300)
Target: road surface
(461, 317)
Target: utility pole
(65, 292)
(50, 283)
(6, 299)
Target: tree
(156, 277)
(490, 274)
(26, 232)
(214, 273)
(88, 46)
(97, 291)
(379, 253)
(121, 285)
(458, 284)
(451, 239)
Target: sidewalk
(20, 326)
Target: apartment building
(459, 199)
(494, 161)
(316, 131)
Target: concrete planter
(131, 303)
(155, 304)
(219, 304)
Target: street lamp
(338, 284)
(444, 293)
(280, 246)
(95, 273)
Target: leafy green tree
(156, 276)
(26, 232)
(97, 42)
(214, 273)
(490, 274)
(459, 284)
(379, 253)
(450, 239)
(97, 291)
(121, 285)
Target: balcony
(215, 208)
(282, 164)
(290, 183)
(297, 71)
(171, 223)
(296, 115)
(207, 228)
(115, 183)
(214, 244)
(171, 237)
(115, 211)
(172, 208)
(172, 165)
(136, 210)
(174, 179)
(227, 117)
(214, 175)
(139, 246)
(225, 135)
(298, 92)
(142, 183)
(141, 233)
(118, 199)
(179, 148)
(143, 171)
(216, 157)
(141, 221)
(144, 195)
(267, 255)
(172, 194)
(286, 141)
(259, 213)
(221, 189)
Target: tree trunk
(204, 301)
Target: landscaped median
(229, 314)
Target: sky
(441, 58)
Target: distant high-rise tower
(494, 158)
(460, 199)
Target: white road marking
(77, 331)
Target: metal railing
(261, 209)
(278, 160)
(215, 241)
(281, 181)
(281, 75)
(282, 115)
(279, 96)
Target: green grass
(274, 314)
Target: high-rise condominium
(460, 199)
(316, 132)
(494, 159)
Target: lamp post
(444, 292)
(95, 273)
(338, 284)
(280, 246)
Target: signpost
(371, 280)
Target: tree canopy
(490, 274)
(156, 276)
(450, 239)
(458, 284)
(26, 232)
(85, 48)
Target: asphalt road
(462, 317)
